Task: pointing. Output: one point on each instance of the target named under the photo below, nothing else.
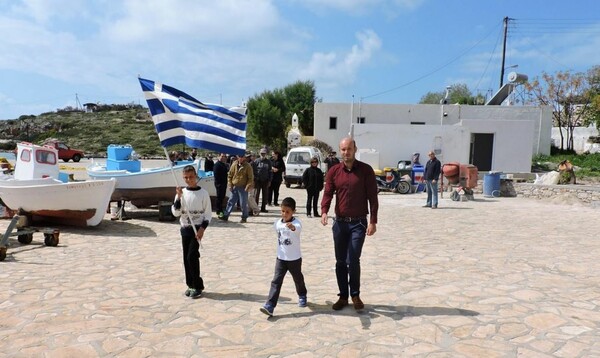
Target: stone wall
(588, 195)
(584, 194)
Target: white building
(498, 138)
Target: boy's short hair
(189, 168)
(289, 202)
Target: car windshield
(299, 158)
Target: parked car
(296, 162)
(65, 152)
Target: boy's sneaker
(267, 309)
(188, 291)
(223, 217)
(302, 301)
(194, 293)
(243, 220)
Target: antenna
(77, 103)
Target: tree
(270, 114)
(570, 97)
(458, 93)
(593, 116)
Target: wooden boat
(144, 187)
(41, 191)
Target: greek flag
(181, 119)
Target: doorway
(482, 150)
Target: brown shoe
(358, 304)
(341, 303)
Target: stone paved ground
(501, 277)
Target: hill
(91, 132)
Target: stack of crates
(119, 158)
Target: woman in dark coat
(312, 179)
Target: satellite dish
(517, 77)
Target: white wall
(512, 143)
(519, 131)
(580, 139)
(392, 146)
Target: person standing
(192, 205)
(209, 165)
(355, 188)
(278, 168)
(312, 179)
(239, 180)
(220, 173)
(289, 257)
(262, 177)
(331, 160)
(432, 172)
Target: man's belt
(348, 219)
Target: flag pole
(182, 199)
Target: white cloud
(356, 7)
(200, 21)
(341, 68)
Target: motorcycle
(391, 180)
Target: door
(482, 150)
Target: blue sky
(374, 51)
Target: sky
(59, 53)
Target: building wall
(580, 139)
(519, 132)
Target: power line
(432, 71)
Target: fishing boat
(144, 187)
(38, 189)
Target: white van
(296, 162)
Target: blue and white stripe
(181, 119)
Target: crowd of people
(351, 182)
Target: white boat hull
(75, 203)
(149, 186)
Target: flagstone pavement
(494, 277)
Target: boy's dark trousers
(191, 258)
(281, 268)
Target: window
(332, 122)
(45, 157)
(418, 123)
(26, 155)
(360, 120)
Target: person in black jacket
(433, 170)
(262, 179)
(278, 168)
(220, 171)
(312, 179)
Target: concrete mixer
(463, 175)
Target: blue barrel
(416, 174)
(491, 185)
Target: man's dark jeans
(221, 192)
(348, 240)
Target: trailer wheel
(2, 253)
(25, 238)
(287, 184)
(51, 239)
(403, 187)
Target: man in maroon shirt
(354, 184)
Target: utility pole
(504, 50)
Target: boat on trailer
(145, 187)
(38, 189)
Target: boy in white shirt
(289, 256)
(192, 204)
